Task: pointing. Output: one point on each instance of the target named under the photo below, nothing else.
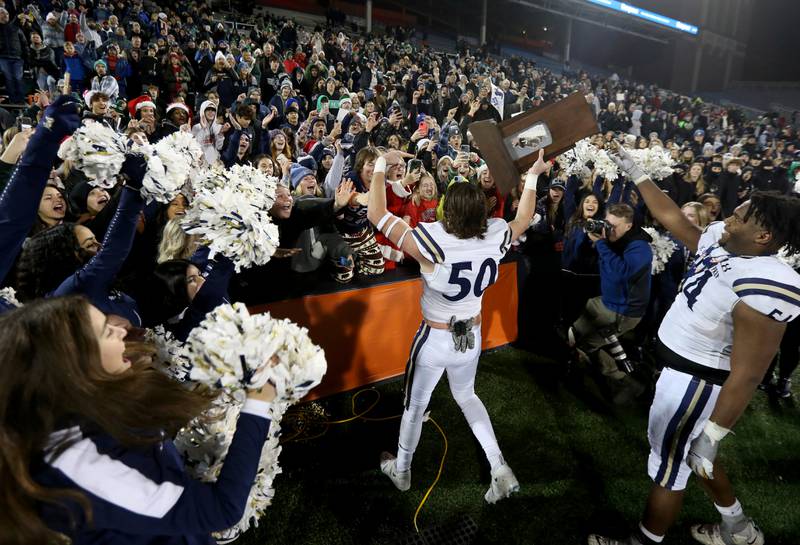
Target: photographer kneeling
(625, 261)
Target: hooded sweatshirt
(209, 136)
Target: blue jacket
(74, 65)
(94, 279)
(579, 255)
(625, 273)
(144, 496)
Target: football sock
(646, 537)
(496, 461)
(410, 431)
(404, 457)
(733, 519)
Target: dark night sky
(773, 47)
(774, 33)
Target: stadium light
(656, 18)
(586, 19)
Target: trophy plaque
(512, 146)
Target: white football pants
(433, 353)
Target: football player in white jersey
(459, 258)
(716, 342)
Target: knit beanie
(299, 172)
(78, 196)
(309, 162)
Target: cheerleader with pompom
(96, 462)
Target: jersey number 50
(464, 284)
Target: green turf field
(581, 463)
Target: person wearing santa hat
(142, 110)
(178, 116)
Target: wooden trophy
(512, 146)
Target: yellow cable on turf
(439, 474)
(361, 415)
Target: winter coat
(13, 44)
(625, 272)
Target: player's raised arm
(390, 225)
(664, 209)
(527, 202)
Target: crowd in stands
(315, 107)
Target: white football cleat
(504, 483)
(711, 534)
(401, 479)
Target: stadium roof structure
(618, 16)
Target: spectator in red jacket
(421, 207)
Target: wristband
(256, 407)
(641, 179)
(380, 166)
(531, 180)
(715, 432)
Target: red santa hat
(140, 102)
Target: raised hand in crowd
(372, 121)
(16, 147)
(344, 194)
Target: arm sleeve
(95, 278)
(360, 142)
(334, 177)
(20, 198)
(597, 189)
(5, 174)
(616, 191)
(570, 203)
(427, 244)
(229, 153)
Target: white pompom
(97, 151)
(656, 162)
(792, 260)
(574, 160)
(663, 247)
(229, 224)
(10, 296)
(230, 212)
(172, 354)
(234, 350)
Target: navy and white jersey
(463, 268)
(699, 325)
